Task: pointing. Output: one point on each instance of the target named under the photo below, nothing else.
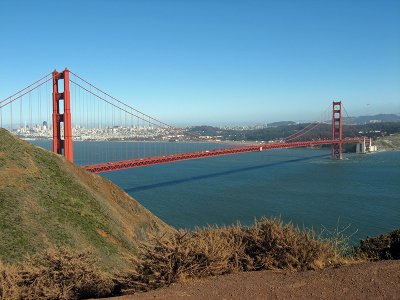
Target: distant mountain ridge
(360, 120)
(372, 119)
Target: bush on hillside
(270, 244)
(55, 274)
(182, 255)
(267, 244)
(382, 247)
(173, 257)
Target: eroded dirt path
(380, 280)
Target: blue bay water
(301, 185)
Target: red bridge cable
(138, 111)
(296, 133)
(349, 126)
(130, 113)
(114, 105)
(16, 98)
(316, 122)
(26, 88)
(303, 132)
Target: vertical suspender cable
(11, 118)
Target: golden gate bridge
(65, 97)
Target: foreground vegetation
(183, 255)
(55, 274)
(267, 244)
(382, 247)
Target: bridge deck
(141, 162)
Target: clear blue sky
(210, 61)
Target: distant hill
(281, 123)
(45, 201)
(372, 119)
(205, 130)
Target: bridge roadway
(141, 162)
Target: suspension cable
(296, 133)
(135, 115)
(16, 98)
(9, 97)
(119, 101)
(301, 132)
(351, 127)
(145, 115)
(304, 132)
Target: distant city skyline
(375, 118)
(213, 62)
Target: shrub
(178, 256)
(173, 257)
(382, 247)
(267, 244)
(270, 244)
(55, 274)
(395, 244)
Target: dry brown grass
(172, 257)
(267, 244)
(55, 274)
(273, 245)
(9, 279)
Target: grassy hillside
(390, 142)
(46, 201)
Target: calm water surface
(304, 186)
(300, 185)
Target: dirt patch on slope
(378, 280)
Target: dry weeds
(172, 257)
(9, 279)
(55, 274)
(267, 244)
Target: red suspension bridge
(48, 108)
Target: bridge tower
(62, 141)
(337, 129)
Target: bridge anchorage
(145, 140)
